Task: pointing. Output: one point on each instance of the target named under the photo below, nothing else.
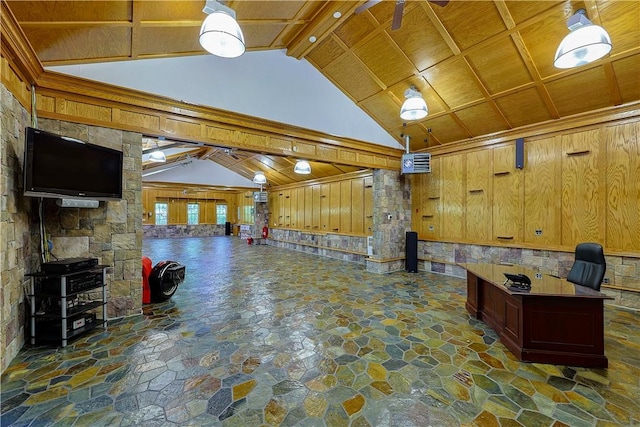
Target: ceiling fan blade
(397, 15)
(441, 3)
(366, 6)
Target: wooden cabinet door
(542, 191)
(623, 187)
(583, 188)
(286, 208)
(507, 200)
(453, 172)
(478, 212)
(430, 214)
(345, 206)
(293, 203)
(308, 208)
(274, 208)
(357, 206)
(334, 212)
(325, 206)
(316, 207)
(301, 209)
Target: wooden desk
(555, 322)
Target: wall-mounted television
(61, 167)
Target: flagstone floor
(263, 336)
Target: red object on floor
(146, 270)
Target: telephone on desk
(519, 282)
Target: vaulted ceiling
(482, 66)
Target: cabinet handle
(323, 196)
(505, 237)
(368, 186)
(434, 197)
(335, 229)
(501, 173)
(307, 226)
(578, 153)
(369, 216)
(476, 191)
(427, 216)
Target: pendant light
(302, 167)
(584, 44)
(220, 33)
(259, 178)
(157, 155)
(414, 107)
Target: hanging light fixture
(157, 155)
(220, 33)
(414, 107)
(584, 44)
(302, 167)
(259, 178)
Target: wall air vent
(416, 163)
(260, 196)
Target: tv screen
(61, 167)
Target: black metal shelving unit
(65, 306)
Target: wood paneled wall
(341, 205)
(178, 200)
(580, 185)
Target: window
(221, 214)
(193, 213)
(248, 214)
(162, 210)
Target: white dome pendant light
(220, 33)
(584, 44)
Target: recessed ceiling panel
(542, 39)
(169, 11)
(352, 77)
(580, 92)
(71, 11)
(499, 66)
(420, 40)
(355, 29)
(470, 22)
(258, 35)
(628, 77)
(80, 42)
(481, 119)
(325, 52)
(384, 109)
(384, 59)
(523, 10)
(266, 10)
(444, 129)
(524, 107)
(621, 19)
(159, 41)
(454, 82)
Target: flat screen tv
(60, 167)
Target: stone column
(391, 220)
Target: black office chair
(589, 267)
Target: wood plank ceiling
(482, 66)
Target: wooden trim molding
(83, 101)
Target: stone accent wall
(183, 230)
(321, 244)
(15, 237)
(261, 218)
(113, 231)
(391, 220)
(441, 257)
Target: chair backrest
(589, 266)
